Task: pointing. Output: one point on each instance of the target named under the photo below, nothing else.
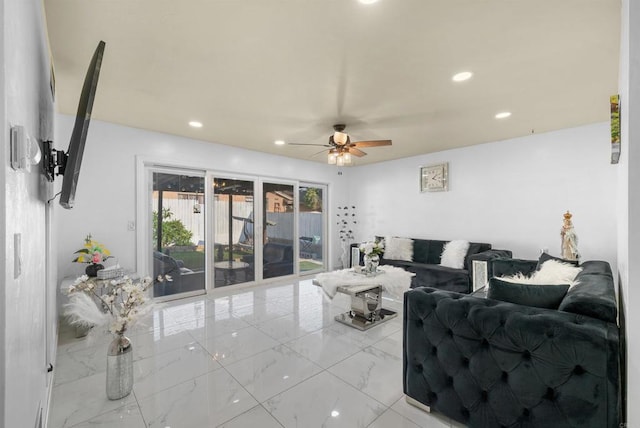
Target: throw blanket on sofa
(392, 279)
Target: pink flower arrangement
(93, 252)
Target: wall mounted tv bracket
(52, 159)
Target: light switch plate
(17, 255)
(18, 148)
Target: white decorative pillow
(552, 272)
(398, 248)
(454, 253)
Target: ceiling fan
(341, 148)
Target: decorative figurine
(569, 248)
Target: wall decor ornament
(346, 221)
(434, 178)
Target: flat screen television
(70, 168)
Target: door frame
(296, 246)
(257, 227)
(144, 188)
(325, 224)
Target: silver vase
(119, 368)
(371, 262)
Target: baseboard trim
(416, 403)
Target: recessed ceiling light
(195, 124)
(462, 76)
(279, 143)
(367, 1)
(335, 413)
(503, 115)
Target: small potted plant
(94, 254)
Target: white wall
(511, 194)
(27, 101)
(4, 153)
(106, 193)
(629, 199)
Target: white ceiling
(254, 71)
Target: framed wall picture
(434, 178)
(615, 128)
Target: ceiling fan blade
(305, 144)
(316, 154)
(356, 152)
(376, 143)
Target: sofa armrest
(594, 294)
(360, 255)
(488, 363)
(487, 256)
(491, 255)
(436, 276)
(509, 266)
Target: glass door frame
(210, 225)
(145, 244)
(325, 226)
(145, 166)
(296, 246)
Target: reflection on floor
(269, 356)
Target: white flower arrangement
(372, 248)
(120, 302)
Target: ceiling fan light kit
(332, 157)
(340, 138)
(342, 149)
(339, 157)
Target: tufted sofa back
(491, 364)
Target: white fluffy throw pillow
(398, 248)
(454, 253)
(552, 272)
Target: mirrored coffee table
(366, 309)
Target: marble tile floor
(267, 356)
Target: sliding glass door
(278, 223)
(256, 229)
(311, 228)
(234, 233)
(178, 232)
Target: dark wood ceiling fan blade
(304, 144)
(376, 143)
(356, 152)
(321, 151)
